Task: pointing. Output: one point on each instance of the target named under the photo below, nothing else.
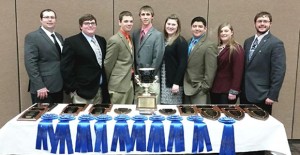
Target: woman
(174, 62)
(227, 82)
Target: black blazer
(80, 69)
(175, 58)
(264, 73)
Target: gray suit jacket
(148, 53)
(201, 67)
(264, 73)
(118, 63)
(42, 62)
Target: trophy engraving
(146, 100)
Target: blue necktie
(191, 46)
(253, 47)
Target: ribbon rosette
(200, 134)
(83, 136)
(176, 134)
(63, 135)
(227, 143)
(138, 133)
(101, 133)
(45, 127)
(121, 132)
(157, 134)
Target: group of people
(194, 71)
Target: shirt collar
(146, 29)
(197, 39)
(47, 32)
(88, 37)
(259, 38)
(126, 35)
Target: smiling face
(262, 24)
(146, 17)
(48, 20)
(198, 29)
(126, 23)
(171, 27)
(225, 34)
(89, 27)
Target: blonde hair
(233, 45)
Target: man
(202, 64)
(265, 65)
(82, 64)
(149, 46)
(119, 62)
(42, 51)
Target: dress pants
(57, 97)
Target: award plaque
(167, 111)
(233, 111)
(74, 109)
(34, 112)
(211, 112)
(98, 109)
(146, 101)
(187, 110)
(255, 111)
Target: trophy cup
(146, 102)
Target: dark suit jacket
(201, 67)
(148, 53)
(80, 69)
(229, 73)
(264, 73)
(175, 59)
(118, 63)
(42, 62)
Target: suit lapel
(88, 47)
(125, 42)
(198, 45)
(145, 37)
(49, 42)
(259, 46)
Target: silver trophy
(147, 100)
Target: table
(19, 137)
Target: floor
(295, 146)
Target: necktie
(253, 47)
(191, 46)
(97, 50)
(56, 44)
(142, 35)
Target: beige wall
(20, 17)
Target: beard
(262, 32)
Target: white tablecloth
(19, 137)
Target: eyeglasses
(262, 21)
(89, 23)
(49, 17)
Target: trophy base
(146, 104)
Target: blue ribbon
(45, 128)
(83, 136)
(138, 132)
(176, 134)
(157, 134)
(63, 135)
(121, 132)
(101, 133)
(227, 143)
(200, 134)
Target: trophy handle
(137, 78)
(156, 79)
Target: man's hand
(175, 89)
(269, 101)
(42, 93)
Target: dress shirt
(49, 35)
(145, 30)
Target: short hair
(261, 14)
(86, 17)
(146, 8)
(124, 13)
(199, 19)
(47, 10)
